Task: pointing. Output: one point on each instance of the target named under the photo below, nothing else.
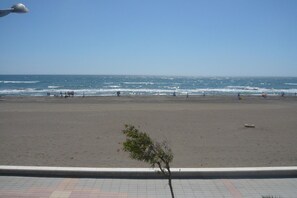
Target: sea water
(108, 85)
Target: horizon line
(168, 75)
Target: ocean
(108, 85)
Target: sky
(151, 37)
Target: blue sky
(165, 37)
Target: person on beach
(174, 94)
(118, 93)
(239, 96)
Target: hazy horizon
(158, 75)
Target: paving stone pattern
(42, 187)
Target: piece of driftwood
(249, 126)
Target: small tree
(141, 147)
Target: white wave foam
(17, 91)
(244, 88)
(293, 84)
(110, 92)
(53, 87)
(19, 82)
(139, 83)
(113, 86)
(167, 78)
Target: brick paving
(47, 187)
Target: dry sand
(202, 131)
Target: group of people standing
(118, 93)
(67, 94)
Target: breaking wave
(112, 91)
(293, 84)
(53, 87)
(19, 82)
(41, 85)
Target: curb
(150, 173)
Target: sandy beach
(202, 131)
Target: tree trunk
(170, 182)
(170, 185)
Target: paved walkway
(42, 187)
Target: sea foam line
(53, 87)
(139, 83)
(293, 84)
(220, 91)
(19, 82)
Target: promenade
(47, 187)
(33, 182)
